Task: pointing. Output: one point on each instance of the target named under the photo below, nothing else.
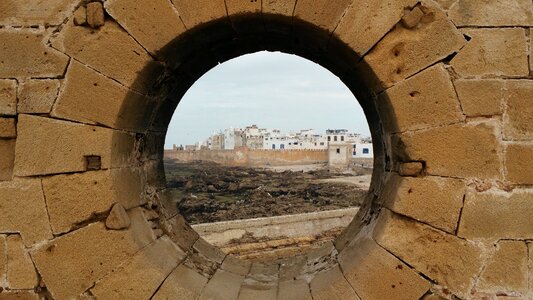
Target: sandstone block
(75, 198)
(37, 96)
(7, 159)
(30, 12)
(499, 51)
(376, 274)
(181, 232)
(518, 116)
(496, 215)
(73, 262)
(25, 54)
(95, 14)
(236, 265)
(141, 277)
(426, 100)
(252, 289)
(118, 218)
(153, 23)
(3, 258)
(111, 51)
(470, 150)
(331, 284)
(480, 97)
(412, 18)
(294, 289)
(322, 13)
(223, 285)
(80, 16)
(46, 146)
(405, 51)
(435, 201)
(21, 273)
(414, 169)
(89, 97)
(19, 295)
(492, 13)
(530, 247)
(279, 7)
(8, 128)
(194, 13)
(22, 200)
(245, 15)
(506, 270)
(446, 4)
(182, 283)
(209, 251)
(450, 261)
(8, 97)
(516, 155)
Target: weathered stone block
(8, 128)
(3, 258)
(260, 290)
(498, 51)
(37, 96)
(480, 97)
(426, 100)
(182, 283)
(118, 218)
(432, 200)
(181, 232)
(90, 97)
(21, 273)
(8, 97)
(74, 262)
(322, 13)
(430, 251)
(47, 146)
(470, 150)
(22, 200)
(209, 251)
(413, 169)
(279, 7)
(223, 285)
(331, 284)
(516, 155)
(19, 295)
(412, 18)
(25, 54)
(492, 13)
(404, 52)
(95, 14)
(141, 277)
(30, 12)
(497, 215)
(236, 265)
(7, 159)
(194, 13)
(376, 274)
(111, 51)
(518, 116)
(80, 16)
(506, 270)
(153, 23)
(294, 289)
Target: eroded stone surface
(95, 14)
(7, 128)
(8, 97)
(37, 96)
(3, 258)
(194, 13)
(325, 14)
(518, 118)
(117, 218)
(480, 97)
(182, 282)
(331, 284)
(223, 285)
(7, 159)
(294, 289)
(31, 12)
(515, 156)
(492, 13)
(21, 273)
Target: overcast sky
(272, 90)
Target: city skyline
(273, 90)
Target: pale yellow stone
(480, 97)
(222, 286)
(37, 96)
(140, 277)
(330, 285)
(452, 262)
(3, 258)
(182, 283)
(236, 265)
(7, 159)
(95, 14)
(516, 155)
(89, 97)
(31, 12)
(322, 13)
(518, 116)
(492, 13)
(8, 128)
(72, 263)
(118, 218)
(8, 97)
(19, 295)
(376, 274)
(25, 54)
(239, 7)
(470, 150)
(21, 273)
(80, 16)
(111, 51)
(497, 215)
(432, 200)
(153, 23)
(47, 146)
(403, 52)
(493, 51)
(506, 270)
(260, 290)
(194, 13)
(425, 100)
(294, 289)
(279, 7)
(22, 201)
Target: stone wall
(252, 158)
(87, 92)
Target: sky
(270, 89)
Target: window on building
(335, 138)
(273, 146)
(338, 150)
(342, 138)
(329, 139)
(322, 144)
(366, 151)
(282, 146)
